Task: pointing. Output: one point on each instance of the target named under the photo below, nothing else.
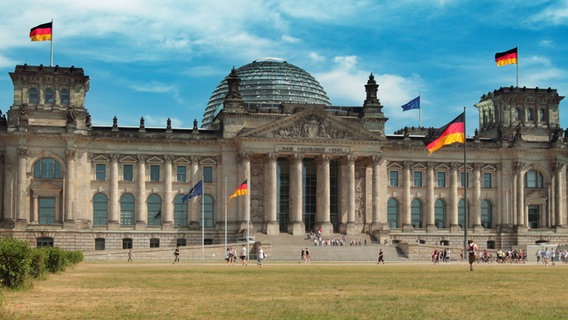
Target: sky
(163, 59)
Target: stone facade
(308, 167)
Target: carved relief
(312, 127)
(360, 193)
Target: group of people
(231, 256)
(305, 256)
(442, 255)
(549, 256)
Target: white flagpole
(419, 111)
(225, 213)
(51, 52)
(202, 219)
(517, 65)
(247, 198)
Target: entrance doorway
(534, 216)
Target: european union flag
(412, 104)
(196, 191)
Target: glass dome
(269, 81)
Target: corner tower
(49, 98)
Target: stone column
(376, 223)
(35, 209)
(406, 197)
(195, 203)
(476, 201)
(560, 215)
(296, 225)
(272, 226)
(324, 195)
(167, 206)
(430, 198)
(114, 206)
(454, 198)
(20, 208)
(70, 187)
(141, 210)
(351, 226)
(521, 211)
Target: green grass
(294, 291)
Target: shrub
(38, 267)
(15, 260)
(73, 257)
(56, 261)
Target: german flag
(42, 32)
(507, 57)
(241, 190)
(448, 134)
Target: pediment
(535, 197)
(311, 123)
(46, 189)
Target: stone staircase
(282, 247)
(288, 248)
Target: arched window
(154, 206)
(100, 209)
(530, 115)
(393, 211)
(517, 114)
(180, 211)
(541, 115)
(64, 97)
(208, 211)
(47, 168)
(533, 179)
(33, 96)
(486, 214)
(48, 96)
(440, 213)
(127, 209)
(416, 213)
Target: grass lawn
(294, 291)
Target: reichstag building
(309, 166)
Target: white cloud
(153, 87)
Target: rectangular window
(46, 210)
(154, 243)
(441, 179)
(393, 181)
(128, 172)
(208, 174)
(181, 173)
(181, 242)
(100, 172)
(463, 178)
(99, 244)
(487, 180)
(127, 243)
(154, 173)
(417, 178)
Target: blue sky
(160, 59)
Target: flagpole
(202, 222)
(419, 112)
(466, 218)
(517, 65)
(247, 198)
(225, 197)
(51, 52)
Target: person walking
(260, 256)
(176, 255)
(243, 256)
(129, 256)
(381, 257)
(472, 250)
